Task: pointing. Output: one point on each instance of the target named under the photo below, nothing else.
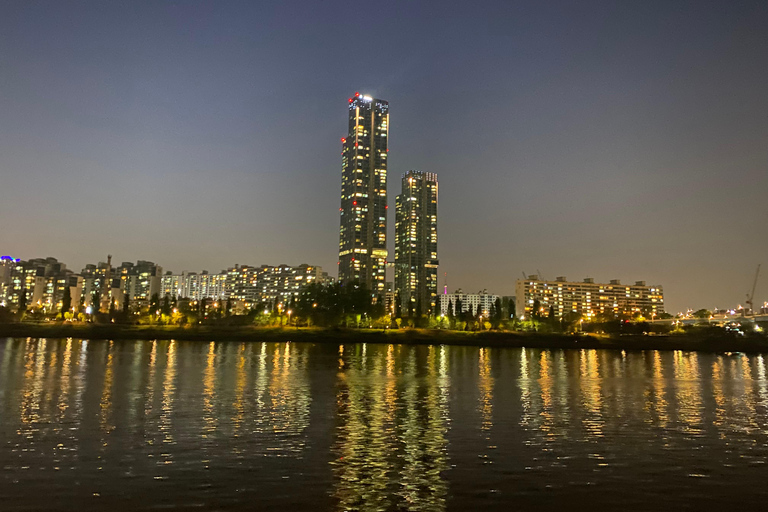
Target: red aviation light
(357, 94)
(354, 203)
(350, 100)
(386, 207)
(343, 140)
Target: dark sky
(612, 139)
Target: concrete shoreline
(686, 342)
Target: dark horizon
(613, 141)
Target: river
(147, 425)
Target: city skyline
(630, 149)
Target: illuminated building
(94, 278)
(43, 280)
(195, 286)
(248, 284)
(587, 298)
(7, 264)
(416, 242)
(140, 281)
(363, 212)
(483, 300)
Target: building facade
(363, 211)
(416, 242)
(246, 284)
(587, 298)
(7, 266)
(42, 281)
(140, 281)
(482, 300)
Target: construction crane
(751, 296)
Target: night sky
(615, 140)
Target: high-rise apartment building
(588, 298)
(459, 302)
(244, 283)
(363, 212)
(416, 242)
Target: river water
(145, 425)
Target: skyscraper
(416, 242)
(363, 231)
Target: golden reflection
(105, 405)
(655, 394)
(485, 383)
(240, 380)
(545, 385)
(262, 378)
(688, 391)
(718, 369)
(761, 381)
(209, 388)
(65, 379)
(591, 392)
(34, 364)
(150, 392)
(525, 389)
(169, 392)
(285, 413)
(750, 399)
(391, 439)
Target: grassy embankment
(721, 343)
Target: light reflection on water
(90, 425)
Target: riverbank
(723, 343)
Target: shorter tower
(416, 243)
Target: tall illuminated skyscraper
(363, 231)
(416, 242)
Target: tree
(126, 305)
(398, 305)
(95, 301)
(511, 312)
(498, 314)
(23, 301)
(166, 309)
(112, 308)
(229, 306)
(536, 310)
(154, 303)
(66, 301)
(702, 313)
